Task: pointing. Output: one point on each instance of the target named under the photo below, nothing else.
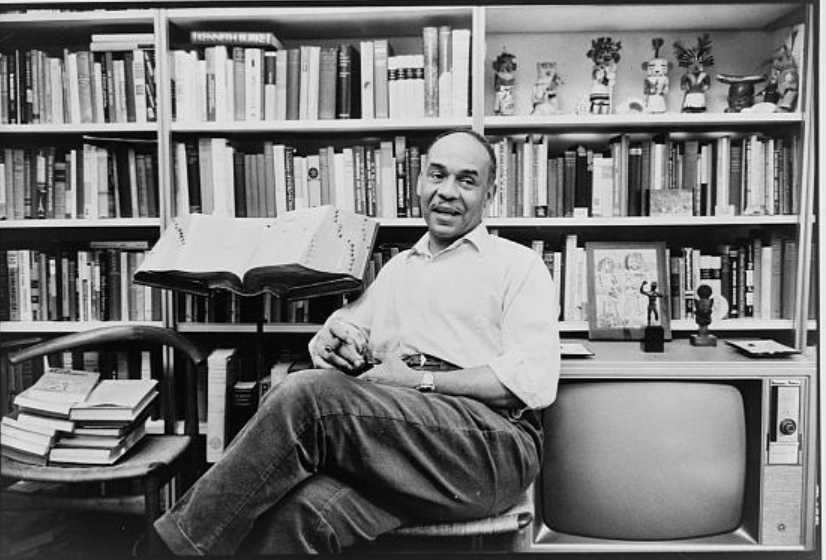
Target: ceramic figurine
(604, 53)
(545, 89)
(703, 306)
(695, 82)
(656, 80)
(740, 90)
(504, 84)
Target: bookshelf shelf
(102, 223)
(305, 127)
(64, 327)
(630, 222)
(82, 129)
(639, 121)
(59, 19)
(230, 328)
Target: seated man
(425, 403)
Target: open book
(306, 252)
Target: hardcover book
(306, 252)
(236, 38)
(57, 390)
(115, 400)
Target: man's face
(454, 188)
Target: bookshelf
(742, 40)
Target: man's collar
(478, 237)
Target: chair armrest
(142, 334)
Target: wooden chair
(153, 462)
(504, 532)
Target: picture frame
(618, 275)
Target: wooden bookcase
(744, 35)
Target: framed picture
(627, 289)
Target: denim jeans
(330, 460)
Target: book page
(122, 393)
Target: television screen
(644, 460)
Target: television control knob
(787, 427)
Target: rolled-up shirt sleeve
(530, 359)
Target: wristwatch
(427, 384)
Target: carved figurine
(695, 82)
(740, 90)
(605, 53)
(784, 80)
(656, 80)
(703, 306)
(504, 84)
(653, 305)
(545, 89)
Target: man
(445, 427)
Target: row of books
(754, 174)
(224, 306)
(89, 182)
(749, 278)
(212, 175)
(72, 417)
(230, 76)
(231, 394)
(78, 86)
(92, 284)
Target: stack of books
(108, 423)
(43, 412)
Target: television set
(676, 464)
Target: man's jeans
(330, 461)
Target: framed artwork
(627, 289)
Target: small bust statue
(504, 84)
(703, 305)
(695, 82)
(545, 89)
(656, 80)
(604, 53)
(653, 304)
(740, 90)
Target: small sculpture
(653, 305)
(784, 80)
(605, 54)
(740, 90)
(504, 84)
(695, 82)
(703, 306)
(545, 89)
(656, 81)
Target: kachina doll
(695, 82)
(504, 84)
(605, 53)
(545, 89)
(784, 80)
(656, 80)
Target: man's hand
(393, 371)
(338, 345)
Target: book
(121, 400)
(762, 348)
(100, 438)
(96, 456)
(23, 456)
(34, 421)
(236, 38)
(300, 253)
(222, 366)
(57, 390)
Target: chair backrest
(133, 339)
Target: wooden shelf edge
(33, 327)
(81, 223)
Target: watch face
(426, 384)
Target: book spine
(327, 78)
(293, 84)
(235, 38)
(430, 39)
